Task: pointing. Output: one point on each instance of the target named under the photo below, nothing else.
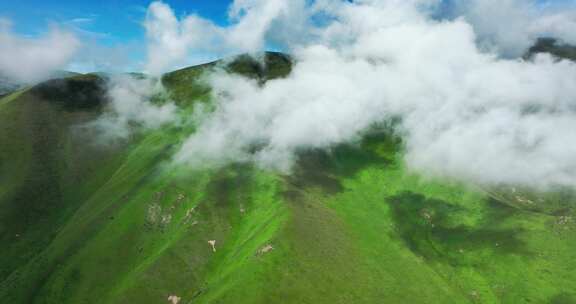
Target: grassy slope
(349, 226)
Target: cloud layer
(466, 112)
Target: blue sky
(113, 24)
(109, 21)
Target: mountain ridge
(88, 223)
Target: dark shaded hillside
(84, 92)
(272, 65)
(8, 85)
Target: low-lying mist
(129, 108)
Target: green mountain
(554, 47)
(86, 223)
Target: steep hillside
(45, 164)
(82, 223)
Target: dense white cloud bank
(466, 112)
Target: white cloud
(131, 108)
(172, 42)
(560, 25)
(466, 113)
(170, 39)
(25, 59)
(512, 26)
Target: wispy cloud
(80, 21)
(80, 25)
(130, 108)
(29, 59)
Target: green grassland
(81, 223)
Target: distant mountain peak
(554, 47)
